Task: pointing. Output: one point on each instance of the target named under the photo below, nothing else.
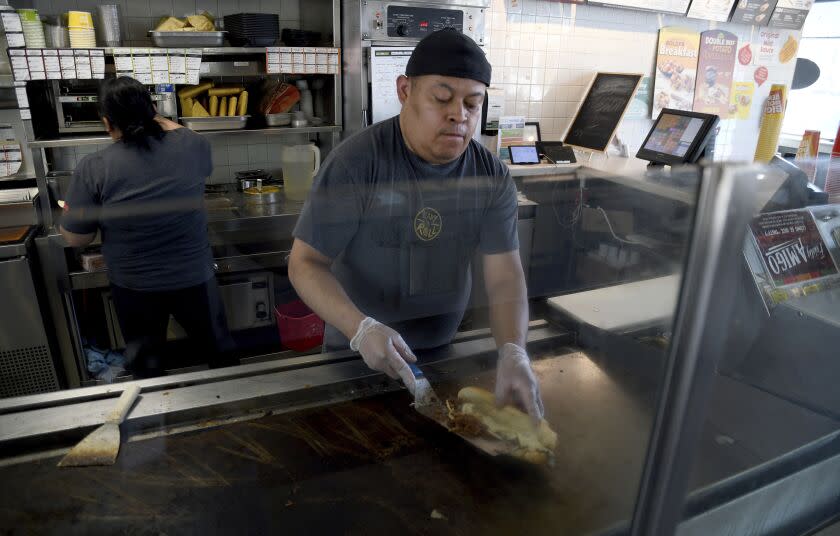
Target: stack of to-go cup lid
(82, 34)
(33, 28)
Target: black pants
(144, 317)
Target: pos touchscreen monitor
(679, 137)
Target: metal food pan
(278, 120)
(188, 39)
(235, 122)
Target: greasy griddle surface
(364, 467)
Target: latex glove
(516, 383)
(383, 349)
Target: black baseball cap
(449, 52)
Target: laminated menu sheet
(159, 65)
(56, 64)
(386, 65)
(302, 60)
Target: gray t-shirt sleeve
(498, 227)
(331, 214)
(82, 202)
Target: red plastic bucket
(300, 329)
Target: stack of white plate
(33, 28)
(80, 25)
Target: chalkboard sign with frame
(601, 111)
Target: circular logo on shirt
(427, 224)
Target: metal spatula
(427, 403)
(101, 446)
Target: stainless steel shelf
(218, 51)
(79, 141)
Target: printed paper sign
(717, 10)
(676, 69)
(767, 47)
(742, 98)
(791, 14)
(715, 66)
(756, 12)
(791, 247)
(640, 105)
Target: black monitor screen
(673, 134)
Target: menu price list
(302, 60)
(159, 65)
(57, 64)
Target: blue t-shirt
(402, 232)
(149, 206)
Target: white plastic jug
(300, 164)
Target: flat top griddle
(375, 466)
(364, 467)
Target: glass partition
(287, 427)
(765, 455)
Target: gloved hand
(516, 383)
(383, 349)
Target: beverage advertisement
(791, 247)
(676, 69)
(715, 66)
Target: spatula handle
(127, 398)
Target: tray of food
(236, 122)
(190, 31)
(210, 107)
(191, 39)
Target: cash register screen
(524, 154)
(673, 134)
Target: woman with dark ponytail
(144, 194)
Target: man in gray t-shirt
(396, 215)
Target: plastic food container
(300, 329)
(188, 39)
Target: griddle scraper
(101, 446)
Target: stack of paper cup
(108, 31)
(33, 28)
(82, 34)
(771, 123)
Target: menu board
(676, 69)
(386, 65)
(715, 65)
(717, 10)
(678, 7)
(602, 110)
(791, 14)
(756, 12)
(791, 247)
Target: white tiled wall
(545, 55)
(140, 16)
